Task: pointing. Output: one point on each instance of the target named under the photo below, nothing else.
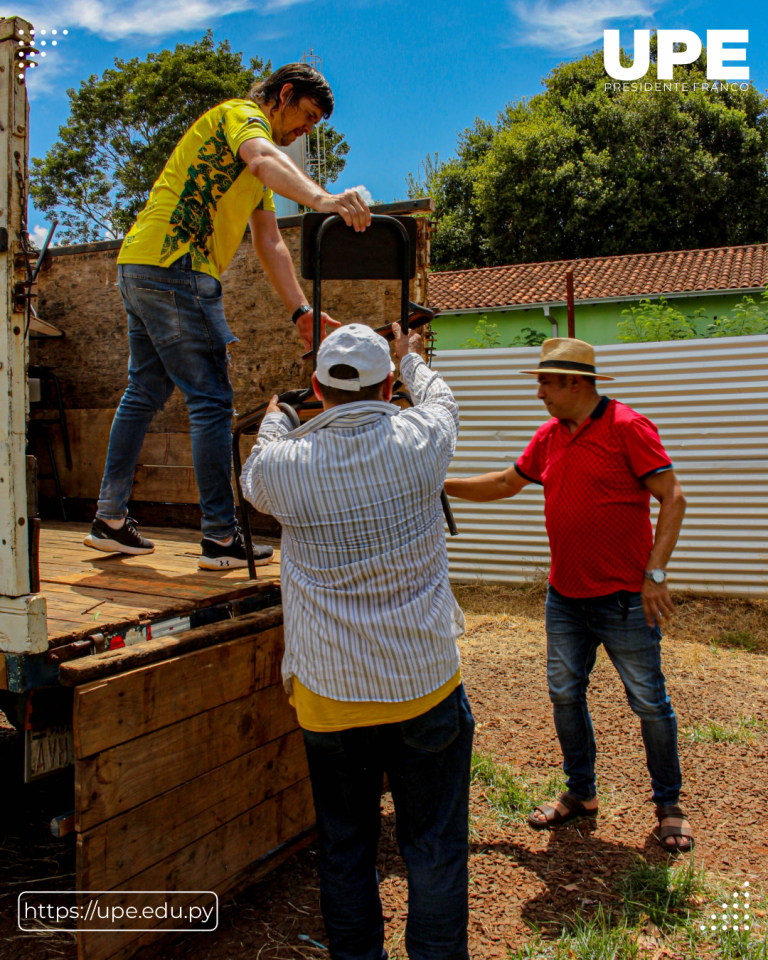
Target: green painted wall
(597, 323)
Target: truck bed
(88, 592)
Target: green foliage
(581, 171)
(336, 150)
(659, 320)
(420, 184)
(123, 126)
(749, 318)
(529, 338)
(486, 336)
(656, 321)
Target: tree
(122, 128)
(651, 322)
(748, 320)
(486, 336)
(581, 171)
(420, 183)
(325, 170)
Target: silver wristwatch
(658, 576)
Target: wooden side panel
(120, 708)
(122, 777)
(190, 771)
(227, 888)
(213, 858)
(116, 850)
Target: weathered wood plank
(164, 470)
(152, 651)
(121, 847)
(114, 710)
(178, 588)
(165, 483)
(127, 775)
(211, 860)
(226, 889)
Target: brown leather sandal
(675, 829)
(576, 810)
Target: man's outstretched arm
(487, 486)
(277, 263)
(278, 172)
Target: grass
(603, 937)
(662, 908)
(737, 622)
(741, 639)
(510, 793)
(744, 730)
(600, 938)
(656, 892)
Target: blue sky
(407, 75)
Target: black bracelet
(304, 308)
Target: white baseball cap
(356, 346)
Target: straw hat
(564, 355)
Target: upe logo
(667, 57)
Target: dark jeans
(428, 762)
(178, 337)
(575, 629)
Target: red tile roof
(639, 274)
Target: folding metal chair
(330, 250)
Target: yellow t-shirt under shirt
(324, 715)
(201, 202)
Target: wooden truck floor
(87, 591)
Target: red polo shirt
(595, 502)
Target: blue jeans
(428, 761)
(575, 629)
(178, 337)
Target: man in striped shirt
(371, 660)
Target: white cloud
(364, 192)
(113, 19)
(38, 236)
(574, 24)
(48, 77)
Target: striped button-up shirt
(369, 612)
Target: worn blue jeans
(178, 337)
(427, 761)
(575, 629)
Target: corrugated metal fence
(709, 399)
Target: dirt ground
(717, 672)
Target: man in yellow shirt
(371, 658)
(219, 179)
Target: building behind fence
(709, 399)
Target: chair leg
(63, 420)
(55, 475)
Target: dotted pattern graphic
(30, 42)
(735, 915)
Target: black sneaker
(215, 556)
(124, 540)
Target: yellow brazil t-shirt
(201, 202)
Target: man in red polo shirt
(599, 462)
